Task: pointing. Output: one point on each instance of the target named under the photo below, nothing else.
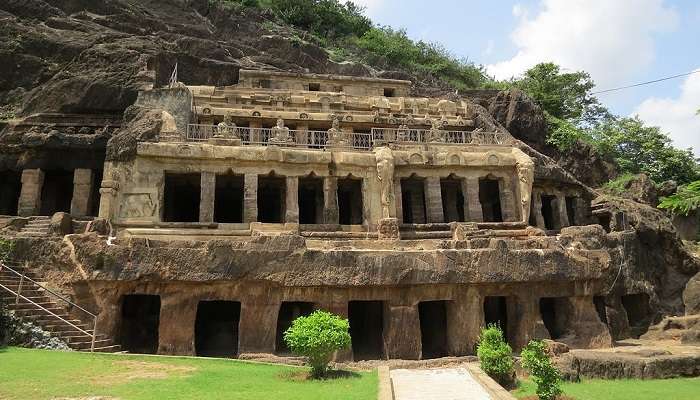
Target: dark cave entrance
(140, 323)
(57, 192)
(10, 189)
(413, 200)
(95, 193)
(433, 328)
(289, 311)
(490, 199)
(366, 329)
(604, 220)
(571, 209)
(310, 200)
(555, 312)
(548, 212)
(228, 199)
(181, 197)
(216, 328)
(272, 193)
(599, 302)
(350, 201)
(496, 313)
(639, 315)
(452, 199)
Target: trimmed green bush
(546, 376)
(317, 337)
(495, 355)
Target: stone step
(108, 349)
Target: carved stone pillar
(250, 198)
(292, 200)
(366, 202)
(537, 209)
(30, 196)
(470, 189)
(207, 192)
(82, 192)
(507, 197)
(258, 327)
(523, 314)
(330, 200)
(339, 308)
(177, 321)
(465, 316)
(108, 196)
(589, 330)
(402, 335)
(560, 208)
(399, 200)
(433, 199)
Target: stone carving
(435, 134)
(526, 176)
(137, 205)
(280, 133)
(403, 133)
(226, 129)
(388, 228)
(385, 175)
(336, 138)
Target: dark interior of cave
(496, 313)
(366, 329)
(490, 198)
(639, 314)
(181, 197)
(433, 328)
(272, 192)
(289, 311)
(57, 191)
(228, 199)
(139, 323)
(452, 199)
(310, 200)
(10, 188)
(350, 201)
(95, 193)
(216, 328)
(555, 312)
(413, 200)
(548, 212)
(571, 209)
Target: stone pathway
(436, 384)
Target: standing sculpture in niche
(385, 175)
(280, 133)
(526, 176)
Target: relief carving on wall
(138, 205)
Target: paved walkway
(436, 384)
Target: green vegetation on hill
(686, 199)
(39, 374)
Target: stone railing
(353, 141)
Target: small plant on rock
(545, 375)
(317, 337)
(495, 355)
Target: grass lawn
(39, 374)
(597, 389)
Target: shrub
(495, 355)
(317, 337)
(545, 375)
(684, 201)
(6, 247)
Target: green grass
(597, 389)
(39, 374)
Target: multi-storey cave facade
(248, 205)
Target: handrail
(19, 295)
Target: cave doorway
(548, 212)
(490, 199)
(413, 200)
(228, 199)
(57, 191)
(366, 329)
(571, 209)
(272, 193)
(639, 314)
(10, 189)
(97, 175)
(350, 201)
(310, 200)
(216, 328)
(555, 312)
(600, 308)
(496, 313)
(289, 311)
(604, 220)
(140, 323)
(433, 328)
(452, 199)
(181, 197)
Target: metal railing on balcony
(352, 141)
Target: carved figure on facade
(435, 134)
(227, 129)
(280, 133)
(385, 175)
(403, 133)
(526, 176)
(137, 205)
(336, 138)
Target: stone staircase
(48, 313)
(36, 227)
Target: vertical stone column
(207, 191)
(250, 198)
(330, 200)
(176, 324)
(433, 199)
(257, 327)
(465, 316)
(399, 200)
(339, 308)
(537, 209)
(30, 196)
(367, 204)
(470, 189)
(108, 196)
(292, 200)
(560, 209)
(590, 331)
(523, 313)
(402, 335)
(507, 197)
(82, 192)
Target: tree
(317, 337)
(495, 355)
(685, 200)
(547, 378)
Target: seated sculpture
(280, 134)
(226, 129)
(336, 138)
(435, 134)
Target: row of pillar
(561, 217)
(29, 202)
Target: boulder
(61, 224)
(691, 295)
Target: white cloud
(677, 117)
(610, 39)
(372, 7)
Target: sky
(619, 42)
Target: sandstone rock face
(691, 295)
